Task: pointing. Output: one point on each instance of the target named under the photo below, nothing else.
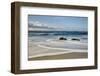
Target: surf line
(71, 50)
(55, 53)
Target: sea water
(46, 35)
(47, 39)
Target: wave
(46, 33)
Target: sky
(57, 23)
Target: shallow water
(50, 40)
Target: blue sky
(63, 23)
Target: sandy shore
(49, 51)
(74, 55)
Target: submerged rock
(75, 39)
(62, 38)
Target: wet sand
(74, 55)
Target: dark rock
(75, 39)
(62, 38)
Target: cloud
(36, 25)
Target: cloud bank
(39, 26)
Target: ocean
(47, 42)
(46, 35)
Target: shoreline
(54, 48)
(51, 49)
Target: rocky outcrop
(62, 38)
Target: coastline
(47, 50)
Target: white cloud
(36, 25)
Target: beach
(51, 49)
(57, 37)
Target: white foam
(71, 50)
